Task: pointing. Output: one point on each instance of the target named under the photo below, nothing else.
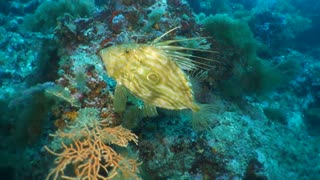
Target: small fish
(154, 72)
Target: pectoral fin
(120, 98)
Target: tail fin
(202, 119)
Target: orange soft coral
(91, 156)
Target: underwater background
(58, 119)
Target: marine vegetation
(168, 89)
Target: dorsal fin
(155, 41)
(184, 60)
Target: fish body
(150, 73)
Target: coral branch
(91, 157)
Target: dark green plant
(29, 111)
(260, 78)
(234, 34)
(247, 73)
(46, 63)
(229, 31)
(45, 17)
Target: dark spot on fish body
(153, 78)
(126, 76)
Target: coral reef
(62, 118)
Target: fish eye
(127, 51)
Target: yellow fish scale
(150, 74)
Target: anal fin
(149, 110)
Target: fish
(154, 72)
